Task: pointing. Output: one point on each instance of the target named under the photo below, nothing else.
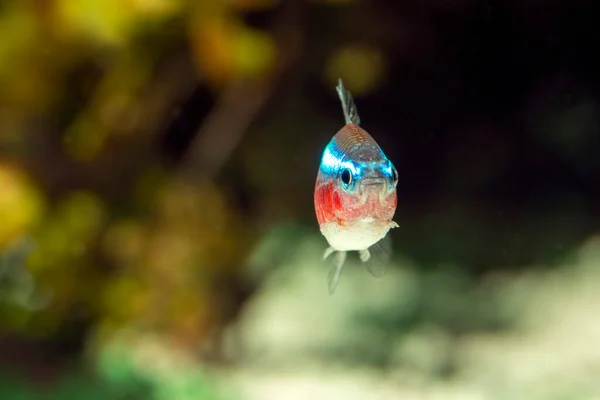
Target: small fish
(355, 192)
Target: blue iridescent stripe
(334, 161)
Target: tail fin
(348, 105)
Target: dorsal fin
(348, 105)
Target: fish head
(356, 181)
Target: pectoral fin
(336, 270)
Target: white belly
(359, 235)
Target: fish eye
(346, 177)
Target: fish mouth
(373, 181)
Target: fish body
(355, 192)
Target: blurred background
(157, 231)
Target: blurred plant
(21, 204)
(176, 239)
(75, 386)
(133, 356)
(17, 286)
(111, 22)
(166, 266)
(226, 49)
(362, 68)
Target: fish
(355, 194)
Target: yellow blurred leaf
(62, 243)
(120, 298)
(19, 31)
(109, 21)
(211, 43)
(157, 7)
(254, 52)
(224, 48)
(82, 214)
(362, 68)
(21, 204)
(25, 80)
